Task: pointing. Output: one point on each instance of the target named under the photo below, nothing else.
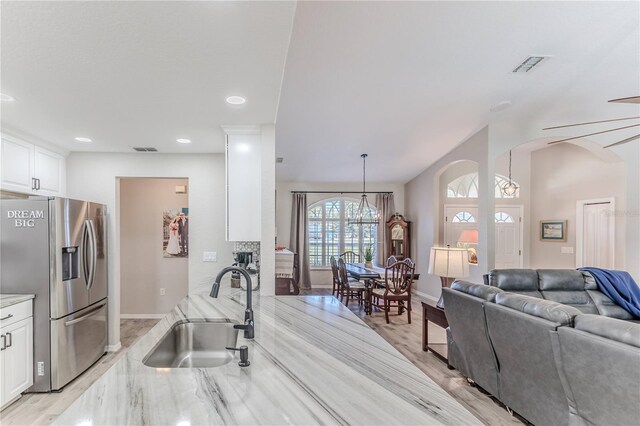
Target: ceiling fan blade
(629, 100)
(591, 134)
(623, 141)
(590, 122)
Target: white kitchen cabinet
(30, 169)
(16, 354)
(244, 194)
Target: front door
(508, 252)
(508, 228)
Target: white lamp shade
(449, 262)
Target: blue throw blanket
(619, 286)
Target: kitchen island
(312, 362)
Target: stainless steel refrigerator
(56, 249)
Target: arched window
(503, 217)
(330, 233)
(463, 217)
(466, 186)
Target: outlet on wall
(566, 250)
(162, 292)
(209, 256)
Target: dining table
(368, 275)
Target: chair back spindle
(398, 277)
(350, 257)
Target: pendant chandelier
(509, 189)
(365, 215)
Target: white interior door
(595, 233)
(508, 253)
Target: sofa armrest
(610, 328)
(546, 309)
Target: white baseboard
(113, 348)
(425, 296)
(142, 316)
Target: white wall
(561, 175)
(422, 206)
(322, 277)
(143, 268)
(93, 176)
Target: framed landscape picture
(553, 230)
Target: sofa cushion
(560, 279)
(546, 309)
(521, 281)
(566, 286)
(482, 291)
(610, 328)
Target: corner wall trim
(425, 296)
(113, 348)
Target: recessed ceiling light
(6, 98)
(183, 140)
(81, 139)
(500, 106)
(236, 100)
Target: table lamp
(450, 263)
(470, 236)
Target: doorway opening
(154, 245)
(508, 231)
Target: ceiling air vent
(279, 160)
(144, 149)
(529, 63)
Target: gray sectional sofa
(548, 344)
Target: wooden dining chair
(350, 257)
(395, 290)
(376, 283)
(335, 291)
(349, 288)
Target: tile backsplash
(253, 246)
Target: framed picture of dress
(553, 230)
(175, 230)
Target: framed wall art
(553, 230)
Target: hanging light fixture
(509, 189)
(365, 214)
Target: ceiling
(404, 82)
(141, 73)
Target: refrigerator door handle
(84, 317)
(85, 259)
(94, 253)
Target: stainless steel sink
(194, 344)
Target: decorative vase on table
(368, 264)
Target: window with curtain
(330, 234)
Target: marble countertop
(12, 299)
(312, 362)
